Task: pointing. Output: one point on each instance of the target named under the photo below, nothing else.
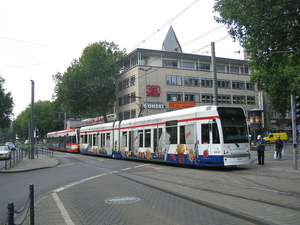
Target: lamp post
(32, 119)
(149, 68)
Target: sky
(40, 38)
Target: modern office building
(167, 80)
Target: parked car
(272, 137)
(5, 153)
(11, 146)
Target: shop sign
(181, 105)
(153, 90)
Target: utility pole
(146, 87)
(214, 73)
(294, 127)
(32, 119)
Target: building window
(120, 86)
(273, 113)
(250, 100)
(207, 98)
(233, 69)
(191, 81)
(187, 65)
(169, 63)
(220, 68)
(120, 101)
(126, 83)
(206, 82)
(238, 85)
(120, 116)
(244, 70)
(238, 99)
(224, 99)
(126, 115)
(132, 80)
(191, 97)
(132, 96)
(287, 115)
(133, 113)
(174, 96)
(126, 99)
(174, 80)
(249, 86)
(203, 66)
(224, 84)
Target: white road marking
(62, 209)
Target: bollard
(10, 213)
(31, 194)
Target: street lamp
(149, 68)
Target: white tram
(203, 136)
(64, 140)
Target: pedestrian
(278, 147)
(261, 143)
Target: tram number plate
(239, 159)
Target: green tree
(87, 88)
(46, 119)
(6, 106)
(269, 30)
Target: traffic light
(297, 106)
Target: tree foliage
(46, 119)
(6, 106)
(87, 88)
(269, 30)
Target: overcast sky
(40, 38)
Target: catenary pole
(214, 73)
(32, 119)
(294, 121)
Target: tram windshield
(234, 125)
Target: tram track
(212, 182)
(237, 192)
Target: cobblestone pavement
(185, 199)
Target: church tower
(171, 43)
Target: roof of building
(171, 43)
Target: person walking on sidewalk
(278, 147)
(261, 143)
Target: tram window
(156, 137)
(216, 137)
(103, 140)
(124, 139)
(173, 134)
(147, 138)
(94, 139)
(182, 135)
(140, 138)
(107, 142)
(205, 133)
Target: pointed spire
(171, 43)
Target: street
(83, 183)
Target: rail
(19, 154)
(30, 209)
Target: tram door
(205, 144)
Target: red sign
(153, 90)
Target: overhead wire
(164, 25)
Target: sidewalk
(39, 162)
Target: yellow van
(272, 137)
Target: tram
(203, 136)
(64, 140)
